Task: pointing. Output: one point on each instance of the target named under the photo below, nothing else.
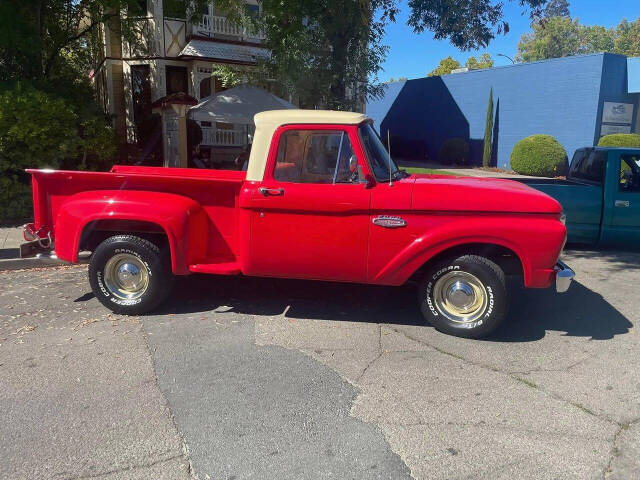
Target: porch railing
(227, 138)
(211, 25)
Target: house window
(177, 80)
(253, 11)
(137, 8)
(205, 87)
(141, 92)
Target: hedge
(631, 140)
(454, 151)
(539, 156)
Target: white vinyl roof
(223, 51)
(268, 122)
(238, 105)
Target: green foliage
(557, 8)
(561, 36)
(449, 64)
(485, 61)
(454, 151)
(488, 133)
(15, 197)
(445, 67)
(324, 58)
(630, 140)
(468, 25)
(539, 156)
(42, 130)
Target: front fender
(536, 241)
(181, 218)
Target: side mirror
(353, 163)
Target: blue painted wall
(560, 97)
(378, 109)
(633, 67)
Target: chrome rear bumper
(564, 276)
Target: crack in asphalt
(185, 448)
(622, 426)
(615, 450)
(377, 356)
(125, 469)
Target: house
(170, 55)
(576, 99)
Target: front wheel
(129, 274)
(464, 296)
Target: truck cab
(321, 199)
(600, 196)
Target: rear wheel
(464, 296)
(129, 274)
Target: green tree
(449, 64)
(627, 38)
(485, 61)
(445, 67)
(557, 8)
(41, 130)
(467, 24)
(488, 132)
(561, 37)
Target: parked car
(322, 200)
(600, 197)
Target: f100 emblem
(389, 221)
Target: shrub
(454, 151)
(539, 156)
(631, 140)
(39, 129)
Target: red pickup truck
(321, 199)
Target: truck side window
(314, 156)
(629, 173)
(589, 167)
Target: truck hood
(472, 194)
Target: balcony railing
(226, 138)
(212, 25)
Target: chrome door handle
(271, 191)
(622, 203)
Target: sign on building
(611, 129)
(614, 112)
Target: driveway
(242, 378)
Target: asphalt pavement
(238, 378)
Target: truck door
(309, 216)
(623, 199)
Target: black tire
(469, 272)
(143, 253)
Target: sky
(413, 55)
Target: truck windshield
(377, 154)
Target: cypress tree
(488, 133)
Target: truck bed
(216, 190)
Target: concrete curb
(35, 262)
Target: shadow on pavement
(580, 312)
(614, 260)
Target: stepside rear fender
(181, 218)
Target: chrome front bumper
(564, 276)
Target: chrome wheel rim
(460, 296)
(126, 277)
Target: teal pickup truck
(601, 197)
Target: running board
(227, 268)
